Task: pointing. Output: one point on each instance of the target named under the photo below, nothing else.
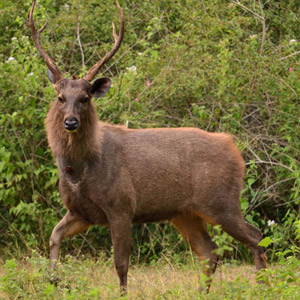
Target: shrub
(209, 64)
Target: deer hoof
(54, 280)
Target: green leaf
(154, 54)
(265, 242)
(251, 181)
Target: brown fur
(122, 176)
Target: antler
(118, 39)
(36, 35)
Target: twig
(293, 54)
(263, 21)
(282, 81)
(261, 18)
(80, 45)
(13, 228)
(278, 182)
(211, 115)
(256, 205)
(286, 202)
(250, 114)
(254, 202)
(271, 163)
(248, 9)
(257, 157)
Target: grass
(85, 278)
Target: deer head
(74, 95)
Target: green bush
(208, 64)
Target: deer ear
(100, 87)
(51, 77)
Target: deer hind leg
(193, 229)
(234, 224)
(69, 225)
(259, 256)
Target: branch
(263, 21)
(248, 9)
(261, 18)
(293, 54)
(272, 163)
(80, 45)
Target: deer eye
(60, 99)
(85, 100)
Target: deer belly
(160, 203)
(155, 216)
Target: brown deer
(114, 176)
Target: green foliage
(182, 63)
(265, 242)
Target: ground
(84, 278)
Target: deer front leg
(69, 225)
(122, 239)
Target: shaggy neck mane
(80, 145)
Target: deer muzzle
(71, 124)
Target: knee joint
(54, 241)
(121, 268)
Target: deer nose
(71, 123)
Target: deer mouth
(71, 131)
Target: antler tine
(36, 37)
(118, 39)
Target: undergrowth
(86, 278)
(215, 65)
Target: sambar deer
(114, 176)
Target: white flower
(271, 223)
(11, 58)
(293, 41)
(132, 68)
(31, 74)
(13, 38)
(140, 53)
(67, 6)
